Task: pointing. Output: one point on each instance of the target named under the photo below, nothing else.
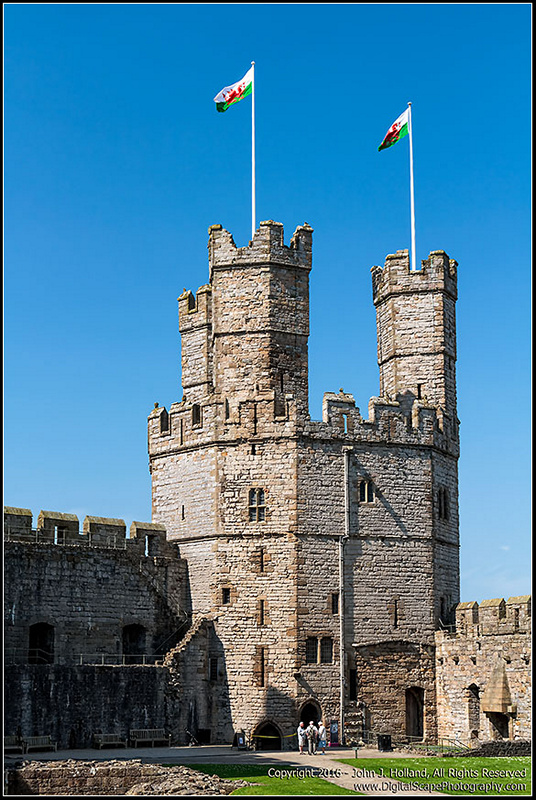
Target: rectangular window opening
(213, 669)
(353, 684)
(326, 650)
(335, 603)
(225, 595)
(262, 665)
(311, 650)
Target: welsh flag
(232, 94)
(397, 131)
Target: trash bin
(384, 742)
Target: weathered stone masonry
(294, 568)
(243, 425)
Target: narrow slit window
(262, 666)
(442, 503)
(262, 609)
(335, 603)
(164, 421)
(225, 596)
(213, 669)
(196, 415)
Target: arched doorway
(310, 711)
(266, 737)
(415, 712)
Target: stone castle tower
(323, 554)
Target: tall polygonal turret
(260, 312)
(416, 323)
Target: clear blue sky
(116, 163)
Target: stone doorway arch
(266, 736)
(310, 711)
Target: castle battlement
(267, 246)
(438, 273)
(495, 616)
(404, 420)
(61, 529)
(195, 310)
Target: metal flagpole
(253, 213)
(412, 193)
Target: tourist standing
(312, 738)
(322, 737)
(302, 736)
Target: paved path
(363, 781)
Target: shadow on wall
(198, 707)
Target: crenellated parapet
(438, 273)
(266, 247)
(493, 617)
(195, 310)
(62, 529)
(403, 419)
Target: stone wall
(483, 672)
(73, 601)
(70, 704)
(91, 778)
(89, 595)
(405, 671)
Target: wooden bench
(149, 736)
(13, 744)
(101, 740)
(38, 743)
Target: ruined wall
(118, 777)
(483, 672)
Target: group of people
(313, 737)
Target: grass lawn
(270, 786)
(461, 776)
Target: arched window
(41, 644)
(164, 421)
(366, 492)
